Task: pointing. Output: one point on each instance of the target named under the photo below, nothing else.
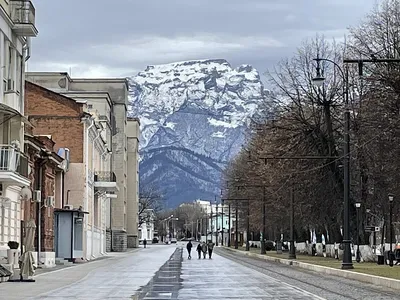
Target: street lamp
(358, 256)
(391, 198)
(318, 81)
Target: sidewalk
(41, 271)
(119, 275)
(330, 267)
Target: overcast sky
(108, 38)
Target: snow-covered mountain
(193, 118)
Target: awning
(11, 112)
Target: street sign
(372, 229)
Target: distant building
(146, 229)
(216, 221)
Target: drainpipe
(62, 189)
(93, 150)
(86, 204)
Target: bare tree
(150, 198)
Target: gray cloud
(121, 37)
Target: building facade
(17, 27)
(122, 215)
(216, 219)
(88, 180)
(46, 171)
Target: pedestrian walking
(199, 250)
(144, 243)
(204, 249)
(210, 247)
(189, 249)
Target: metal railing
(13, 160)
(22, 12)
(105, 177)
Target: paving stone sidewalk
(117, 277)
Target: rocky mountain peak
(193, 117)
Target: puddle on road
(167, 281)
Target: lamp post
(292, 253)
(248, 227)
(358, 256)
(263, 250)
(391, 198)
(216, 222)
(236, 225)
(318, 81)
(222, 221)
(229, 225)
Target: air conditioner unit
(69, 206)
(37, 196)
(50, 201)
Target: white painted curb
(372, 279)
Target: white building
(216, 219)
(17, 26)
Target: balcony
(22, 13)
(105, 181)
(13, 167)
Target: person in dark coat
(144, 243)
(199, 250)
(210, 247)
(204, 249)
(189, 249)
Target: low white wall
(47, 259)
(99, 236)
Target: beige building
(17, 26)
(122, 209)
(133, 133)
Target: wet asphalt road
(233, 276)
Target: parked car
(155, 240)
(174, 240)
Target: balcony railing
(12, 160)
(22, 12)
(105, 177)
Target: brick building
(87, 182)
(46, 168)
